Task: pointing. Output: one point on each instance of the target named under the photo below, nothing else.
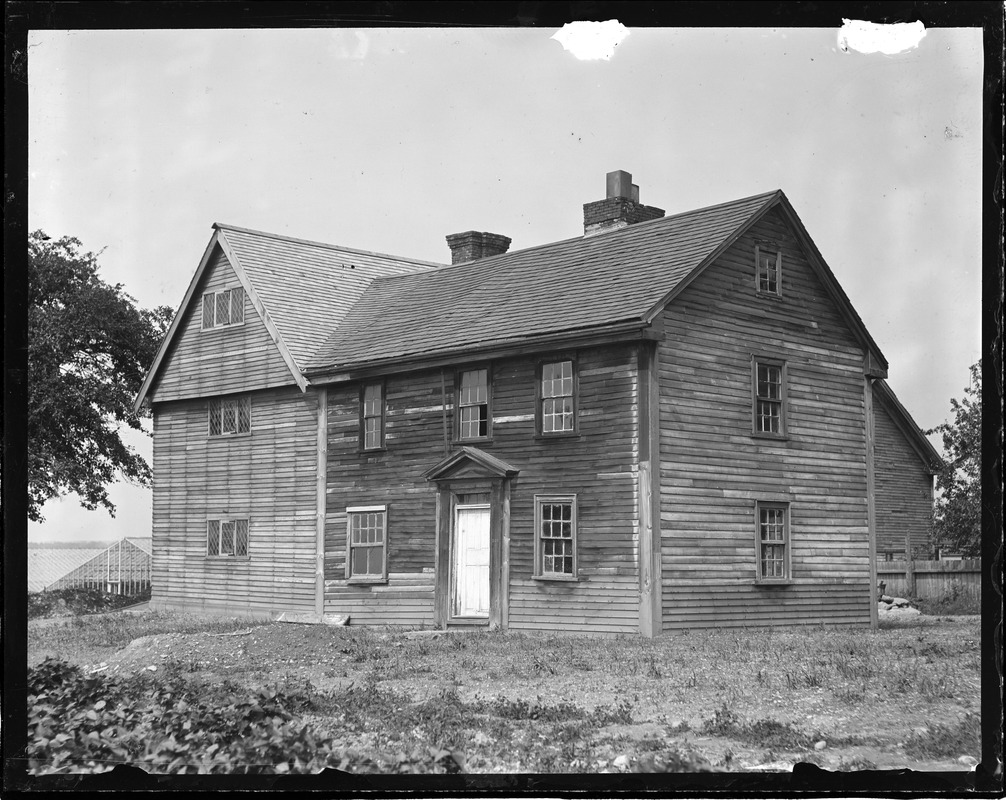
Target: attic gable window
(557, 398)
(372, 416)
(473, 404)
(229, 416)
(769, 270)
(225, 308)
(769, 401)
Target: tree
(958, 505)
(89, 348)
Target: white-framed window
(768, 268)
(367, 543)
(372, 416)
(473, 404)
(229, 416)
(557, 399)
(227, 537)
(768, 396)
(555, 537)
(223, 308)
(773, 542)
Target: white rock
(971, 761)
(621, 762)
(820, 745)
(152, 668)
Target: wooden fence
(932, 580)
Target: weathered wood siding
(904, 491)
(221, 360)
(597, 466)
(267, 476)
(713, 469)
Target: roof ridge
(325, 245)
(383, 279)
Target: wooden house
(667, 422)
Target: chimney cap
(619, 184)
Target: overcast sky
(388, 140)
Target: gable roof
(46, 565)
(301, 289)
(622, 277)
(928, 454)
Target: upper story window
(557, 397)
(227, 537)
(473, 404)
(769, 378)
(372, 416)
(229, 416)
(366, 543)
(769, 270)
(223, 308)
(773, 542)
(555, 537)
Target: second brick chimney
(471, 245)
(621, 206)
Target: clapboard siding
(598, 466)
(713, 469)
(221, 360)
(904, 491)
(267, 476)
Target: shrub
(74, 602)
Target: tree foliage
(89, 348)
(958, 505)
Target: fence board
(933, 580)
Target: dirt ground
(668, 708)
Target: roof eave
(928, 454)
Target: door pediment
(470, 462)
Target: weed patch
(947, 741)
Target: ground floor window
(227, 538)
(555, 537)
(366, 543)
(773, 541)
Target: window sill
(774, 297)
(366, 581)
(771, 583)
(564, 435)
(774, 437)
(556, 578)
(368, 451)
(480, 440)
(227, 559)
(223, 437)
(225, 327)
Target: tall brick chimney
(620, 207)
(471, 245)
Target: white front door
(470, 582)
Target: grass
(948, 741)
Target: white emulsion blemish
(592, 41)
(872, 37)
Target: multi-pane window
(228, 416)
(769, 265)
(223, 308)
(773, 541)
(227, 538)
(372, 416)
(473, 404)
(769, 399)
(366, 547)
(558, 401)
(555, 539)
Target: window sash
(366, 543)
(769, 270)
(373, 416)
(223, 308)
(558, 409)
(227, 537)
(229, 416)
(473, 404)
(773, 542)
(769, 393)
(555, 525)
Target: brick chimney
(620, 207)
(471, 245)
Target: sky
(389, 139)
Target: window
(366, 545)
(230, 416)
(769, 270)
(227, 538)
(555, 537)
(223, 308)
(473, 404)
(372, 416)
(557, 401)
(769, 397)
(773, 542)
